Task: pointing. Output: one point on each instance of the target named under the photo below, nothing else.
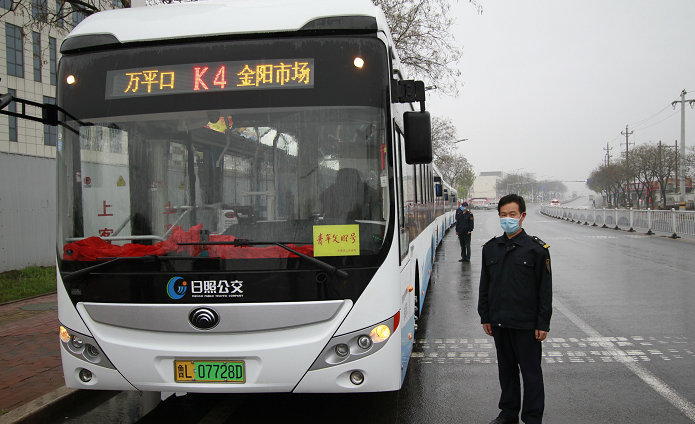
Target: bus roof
(220, 17)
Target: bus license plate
(209, 371)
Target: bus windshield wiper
(330, 269)
(113, 261)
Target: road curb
(42, 409)
(27, 298)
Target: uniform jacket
(516, 289)
(464, 221)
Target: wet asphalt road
(621, 347)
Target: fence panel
(662, 221)
(640, 220)
(27, 211)
(685, 222)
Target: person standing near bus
(464, 228)
(515, 305)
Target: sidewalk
(29, 351)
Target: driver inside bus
(345, 199)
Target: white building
(485, 185)
(29, 55)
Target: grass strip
(27, 282)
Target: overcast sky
(548, 83)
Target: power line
(647, 119)
(640, 129)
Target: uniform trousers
(519, 350)
(465, 240)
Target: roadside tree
(663, 167)
(640, 158)
(454, 166)
(608, 179)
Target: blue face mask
(510, 225)
(463, 208)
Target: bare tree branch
(421, 31)
(454, 166)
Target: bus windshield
(239, 175)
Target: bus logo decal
(204, 318)
(176, 288)
(217, 288)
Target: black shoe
(462, 260)
(466, 260)
(500, 420)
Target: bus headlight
(92, 351)
(64, 335)
(77, 342)
(356, 345)
(365, 342)
(342, 350)
(85, 348)
(380, 333)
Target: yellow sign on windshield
(336, 240)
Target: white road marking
(567, 350)
(673, 397)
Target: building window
(6, 4)
(77, 17)
(15, 50)
(117, 4)
(12, 107)
(36, 38)
(53, 61)
(60, 10)
(50, 133)
(39, 10)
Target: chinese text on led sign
(210, 77)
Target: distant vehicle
(479, 203)
(554, 202)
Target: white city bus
(245, 199)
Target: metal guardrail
(673, 221)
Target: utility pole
(627, 162)
(608, 154)
(682, 161)
(675, 149)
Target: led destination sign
(210, 77)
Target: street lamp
(459, 141)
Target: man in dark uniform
(464, 228)
(515, 305)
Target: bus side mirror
(418, 137)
